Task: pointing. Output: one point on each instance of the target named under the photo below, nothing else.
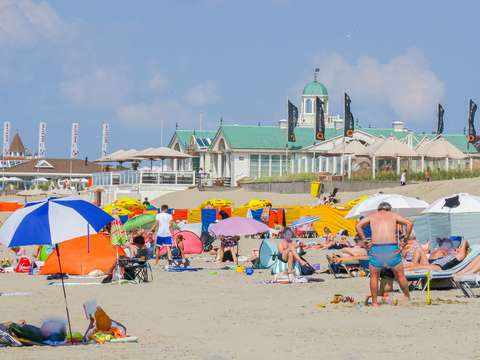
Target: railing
(132, 177)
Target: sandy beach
(219, 314)
(216, 314)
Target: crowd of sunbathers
(415, 255)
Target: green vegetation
(285, 178)
(382, 176)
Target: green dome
(315, 88)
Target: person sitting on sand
(178, 250)
(287, 250)
(228, 244)
(441, 259)
(329, 240)
(102, 328)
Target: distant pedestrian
(403, 178)
(146, 203)
(428, 174)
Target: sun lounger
(421, 275)
(466, 283)
(347, 267)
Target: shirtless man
(384, 250)
(287, 250)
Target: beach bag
(307, 269)
(23, 265)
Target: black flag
(349, 125)
(292, 121)
(319, 120)
(472, 134)
(440, 123)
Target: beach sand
(217, 314)
(426, 191)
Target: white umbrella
(39, 180)
(455, 204)
(403, 205)
(15, 179)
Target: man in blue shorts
(384, 252)
(164, 228)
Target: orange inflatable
(80, 256)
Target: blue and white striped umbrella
(52, 221)
(304, 221)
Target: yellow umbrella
(257, 203)
(116, 210)
(129, 204)
(217, 203)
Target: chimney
(283, 124)
(398, 126)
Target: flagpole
(286, 143)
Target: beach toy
(316, 267)
(240, 269)
(249, 271)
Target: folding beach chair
(138, 271)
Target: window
(264, 165)
(254, 166)
(285, 168)
(308, 106)
(275, 165)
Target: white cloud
(405, 83)
(100, 87)
(153, 114)
(22, 22)
(202, 94)
(158, 82)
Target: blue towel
(209, 216)
(257, 214)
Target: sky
(140, 64)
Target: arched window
(308, 106)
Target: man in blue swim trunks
(384, 252)
(164, 228)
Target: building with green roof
(232, 152)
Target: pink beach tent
(191, 243)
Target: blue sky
(136, 64)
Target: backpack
(23, 265)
